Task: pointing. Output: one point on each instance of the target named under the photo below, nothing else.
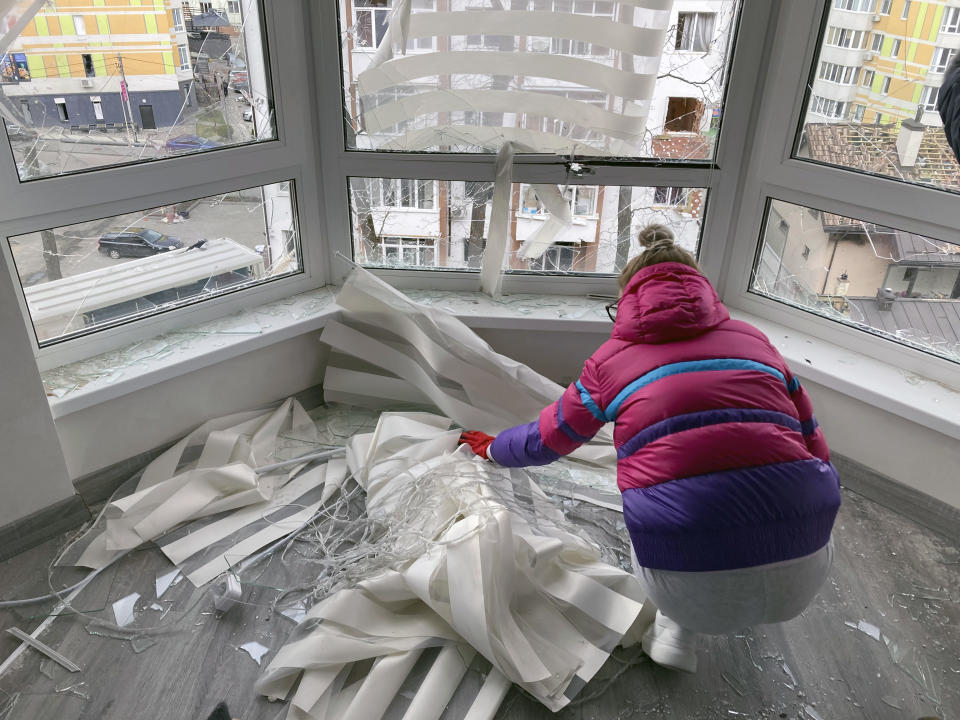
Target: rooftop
(873, 149)
(930, 322)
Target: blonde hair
(659, 247)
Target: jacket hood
(666, 302)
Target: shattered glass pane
(594, 79)
(83, 277)
(444, 224)
(872, 93)
(892, 283)
(123, 95)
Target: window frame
(774, 173)
(717, 176)
(105, 192)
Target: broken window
(87, 276)
(370, 18)
(683, 114)
(148, 110)
(887, 124)
(446, 224)
(896, 284)
(588, 88)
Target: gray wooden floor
(899, 578)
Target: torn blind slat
(454, 84)
(636, 85)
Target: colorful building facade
(101, 62)
(882, 61)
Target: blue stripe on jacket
(676, 369)
(589, 403)
(689, 421)
(567, 430)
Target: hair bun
(656, 235)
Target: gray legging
(725, 601)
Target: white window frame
(233, 7)
(418, 245)
(895, 47)
(884, 7)
(846, 38)
(397, 193)
(341, 164)
(905, 13)
(184, 56)
(79, 26)
(103, 193)
(177, 14)
(372, 13)
(951, 21)
(858, 6)
(774, 173)
(928, 98)
(866, 79)
(941, 59)
(690, 32)
(828, 108)
(839, 74)
(677, 197)
(876, 42)
(885, 85)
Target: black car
(136, 242)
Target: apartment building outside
(883, 60)
(408, 223)
(101, 63)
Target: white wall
(32, 471)
(115, 430)
(905, 451)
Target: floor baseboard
(923, 509)
(36, 528)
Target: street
(59, 150)
(241, 220)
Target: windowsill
(80, 385)
(84, 384)
(902, 393)
(77, 386)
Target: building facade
(440, 223)
(883, 61)
(96, 63)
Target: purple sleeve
(521, 445)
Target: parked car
(239, 80)
(183, 143)
(248, 114)
(136, 242)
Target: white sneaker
(670, 645)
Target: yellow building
(95, 62)
(882, 61)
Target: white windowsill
(87, 383)
(80, 385)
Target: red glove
(478, 441)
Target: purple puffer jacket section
(720, 459)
